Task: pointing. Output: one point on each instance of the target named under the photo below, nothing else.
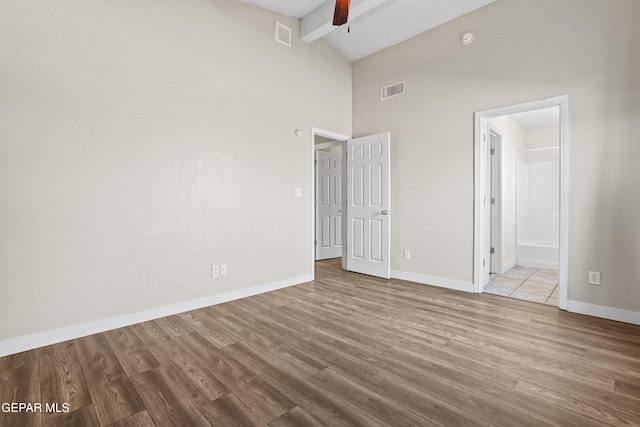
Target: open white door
(328, 205)
(368, 209)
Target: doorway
(329, 188)
(322, 139)
(521, 201)
(362, 228)
(524, 226)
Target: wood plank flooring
(343, 350)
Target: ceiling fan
(341, 14)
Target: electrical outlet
(223, 269)
(594, 278)
(407, 254)
(215, 270)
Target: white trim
(530, 150)
(536, 263)
(432, 281)
(479, 177)
(563, 267)
(337, 137)
(327, 144)
(328, 134)
(496, 232)
(53, 336)
(604, 312)
(508, 266)
(563, 103)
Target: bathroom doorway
(521, 189)
(526, 171)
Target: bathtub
(538, 255)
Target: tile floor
(528, 284)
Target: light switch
(298, 192)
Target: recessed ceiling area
(375, 24)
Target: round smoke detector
(468, 38)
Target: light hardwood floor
(344, 350)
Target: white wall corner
(433, 281)
(508, 266)
(54, 336)
(604, 312)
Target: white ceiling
(538, 118)
(294, 8)
(375, 24)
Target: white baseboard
(53, 336)
(604, 312)
(536, 263)
(508, 266)
(433, 281)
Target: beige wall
(513, 140)
(524, 50)
(143, 141)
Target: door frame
(312, 155)
(480, 150)
(496, 184)
(319, 148)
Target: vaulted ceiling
(374, 24)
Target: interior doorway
(326, 141)
(521, 201)
(524, 209)
(358, 223)
(329, 188)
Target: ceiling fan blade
(341, 13)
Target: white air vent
(391, 91)
(283, 34)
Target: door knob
(384, 212)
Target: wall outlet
(406, 254)
(215, 270)
(223, 269)
(594, 278)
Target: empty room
(319, 213)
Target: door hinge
(315, 242)
(493, 201)
(484, 262)
(484, 137)
(315, 162)
(492, 251)
(493, 151)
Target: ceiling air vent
(391, 91)
(283, 34)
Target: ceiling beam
(319, 23)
